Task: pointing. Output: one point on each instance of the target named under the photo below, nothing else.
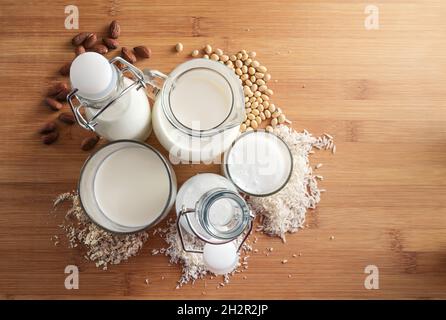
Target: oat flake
(102, 247)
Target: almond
(128, 55)
(56, 88)
(110, 43)
(48, 127)
(90, 41)
(53, 104)
(120, 65)
(115, 29)
(62, 96)
(67, 118)
(89, 143)
(50, 137)
(65, 69)
(80, 38)
(79, 50)
(100, 48)
(143, 52)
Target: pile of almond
(57, 93)
(56, 96)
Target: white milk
(221, 213)
(201, 100)
(201, 97)
(131, 186)
(258, 163)
(127, 118)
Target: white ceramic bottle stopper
(92, 75)
(220, 258)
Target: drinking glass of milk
(127, 186)
(258, 163)
(198, 109)
(106, 101)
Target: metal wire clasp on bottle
(140, 81)
(208, 231)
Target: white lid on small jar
(258, 163)
(92, 75)
(220, 258)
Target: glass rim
(221, 122)
(188, 66)
(170, 174)
(208, 200)
(228, 174)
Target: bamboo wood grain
(380, 93)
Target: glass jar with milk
(198, 109)
(210, 208)
(108, 102)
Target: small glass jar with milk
(198, 109)
(105, 100)
(210, 208)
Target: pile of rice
(284, 212)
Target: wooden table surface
(381, 93)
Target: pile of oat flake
(102, 247)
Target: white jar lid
(93, 76)
(258, 163)
(220, 258)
